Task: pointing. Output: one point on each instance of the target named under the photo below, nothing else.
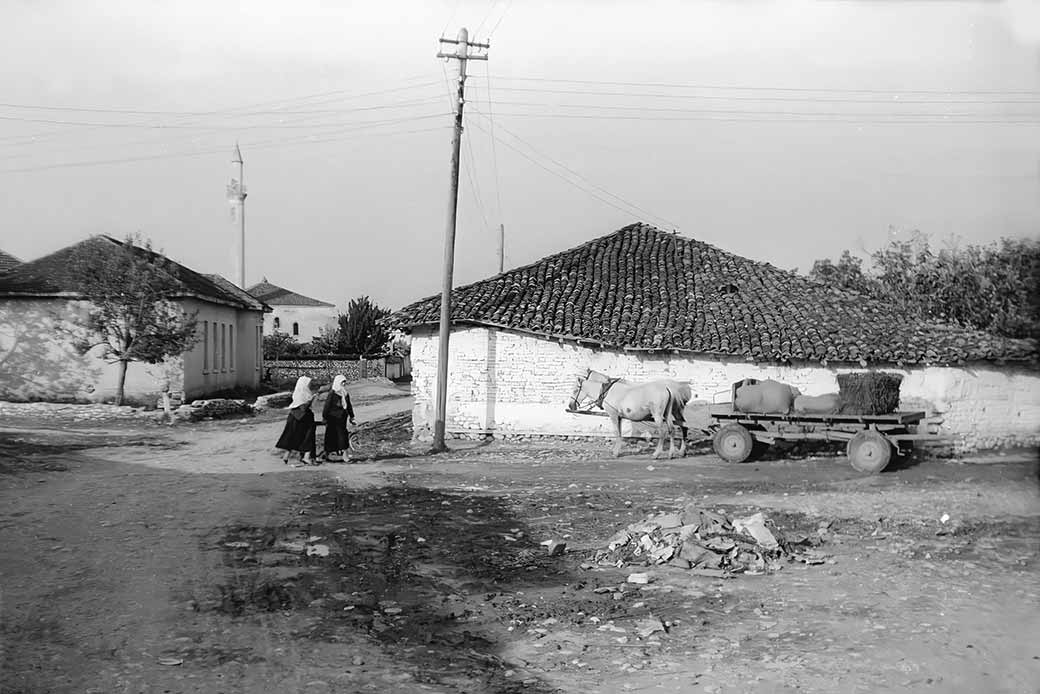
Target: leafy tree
(278, 344)
(326, 342)
(360, 330)
(132, 314)
(992, 287)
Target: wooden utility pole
(461, 54)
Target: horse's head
(588, 389)
(583, 389)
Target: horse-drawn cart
(871, 439)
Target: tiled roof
(51, 276)
(645, 289)
(8, 261)
(274, 295)
(240, 294)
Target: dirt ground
(149, 558)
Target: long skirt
(298, 434)
(337, 438)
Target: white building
(644, 304)
(294, 314)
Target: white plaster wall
(506, 382)
(38, 359)
(312, 320)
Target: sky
(783, 131)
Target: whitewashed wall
(506, 383)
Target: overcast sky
(781, 131)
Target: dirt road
(142, 558)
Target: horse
(636, 402)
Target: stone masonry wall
(505, 383)
(324, 370)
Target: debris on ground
(710, 544)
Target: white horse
(637, 402)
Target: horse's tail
(680, 394)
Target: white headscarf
(302, 394)
(339, 387)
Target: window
(277, 322)
(223, 346)
(231, 347)
(216, 348)
(295, 328)
(205, 346)
(259, 346)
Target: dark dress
(298, 434)
(337, 438)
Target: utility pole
(501, 248)
(461, 54)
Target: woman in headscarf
(298, 434)
(336, 412)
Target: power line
(494, 148)
(231, 111)
(800, 99)
(693, 118)
(90, 109)
(651, 109)
(509, 3)
(295, 140)
(491, 7)
(630, 206)
(779, 89)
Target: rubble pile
(212, 409)
(710, 543)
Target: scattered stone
(170, 661)
(317, 550)
(645, 628)
(641, 579)
(555, 548)
(709, 543)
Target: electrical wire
(997, 92)
(509, 3)
(937, 119)
(494, 148)
(756, 112)
(295, 140)
(630, 206)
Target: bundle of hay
(869, 393)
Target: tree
(132, 313)
(360, 330)
(278, 344)
(992, 287)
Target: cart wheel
(734, 443)
(869, 452)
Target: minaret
(236, 192)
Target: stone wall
(324, 370)
(508, 384)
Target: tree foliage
(359, 328)
(132, 313)
(279, 344)
(986, 287)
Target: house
(40, 315)
(295, 314)
(644, 304)
(7, 261)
